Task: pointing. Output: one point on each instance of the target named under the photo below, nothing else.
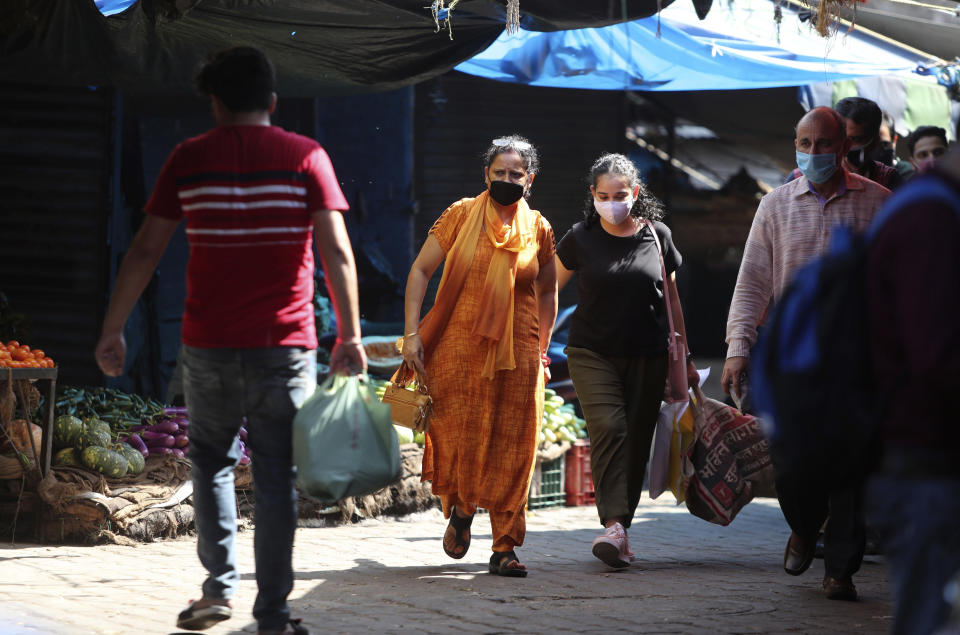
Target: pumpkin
(20, 431)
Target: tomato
(19, 355)
(13, 344)
(38, 353)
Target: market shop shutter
(56, 149)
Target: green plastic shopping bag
(344, 443)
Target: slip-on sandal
(194, 618)
(459, 526)
(499, 562)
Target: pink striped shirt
(791, 227)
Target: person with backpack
(913, 499)
(792, 226)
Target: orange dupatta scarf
(495, 320)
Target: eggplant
(178, 452)
(161, 450)
(166, 427)
(243, 433)
(244, 459)
(137, 443)
(158, 439)
(171, 410)
(180, 441)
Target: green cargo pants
(620, 398)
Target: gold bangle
(411, 334)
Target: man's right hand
(348, 357)
(733, 370)
(110, 353)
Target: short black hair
(241, 77)
(925, 131)
(864, 112)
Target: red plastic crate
(579, 479)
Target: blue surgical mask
(818, 168)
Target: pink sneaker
(611, 547)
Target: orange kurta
(484, 433)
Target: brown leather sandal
(459, 525)
(499, 565)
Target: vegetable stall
(101, 464)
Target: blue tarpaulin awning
(738, 46)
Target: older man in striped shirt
(791, 227)
(254, 198)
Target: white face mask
(614, 212)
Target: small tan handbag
(410, 402)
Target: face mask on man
(857, 156)
(926, 165)
(614, 212)
(505, 193)
(884, 153)
(818, 168)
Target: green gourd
(109, 463)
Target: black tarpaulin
(320, 47)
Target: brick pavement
(392, 576)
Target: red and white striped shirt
(248, 194)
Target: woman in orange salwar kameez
(482, 350)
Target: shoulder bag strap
(674, 350)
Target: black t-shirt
(621, 312)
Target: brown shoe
(798, 555)
(842, 589)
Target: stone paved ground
(392, 576)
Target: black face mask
(884, 154)
(505, 193)
(856, 157)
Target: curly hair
(646, 206)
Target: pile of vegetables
(166, 433)
(169, 433)
(117, 423)
(13, 354)
(560, 420)
(93, 425)
(91, 443)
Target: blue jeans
(267, 386)
(918, 521)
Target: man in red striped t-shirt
(254, 198)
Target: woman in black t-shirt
(617, 349)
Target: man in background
(926, 145)
(791, 227)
